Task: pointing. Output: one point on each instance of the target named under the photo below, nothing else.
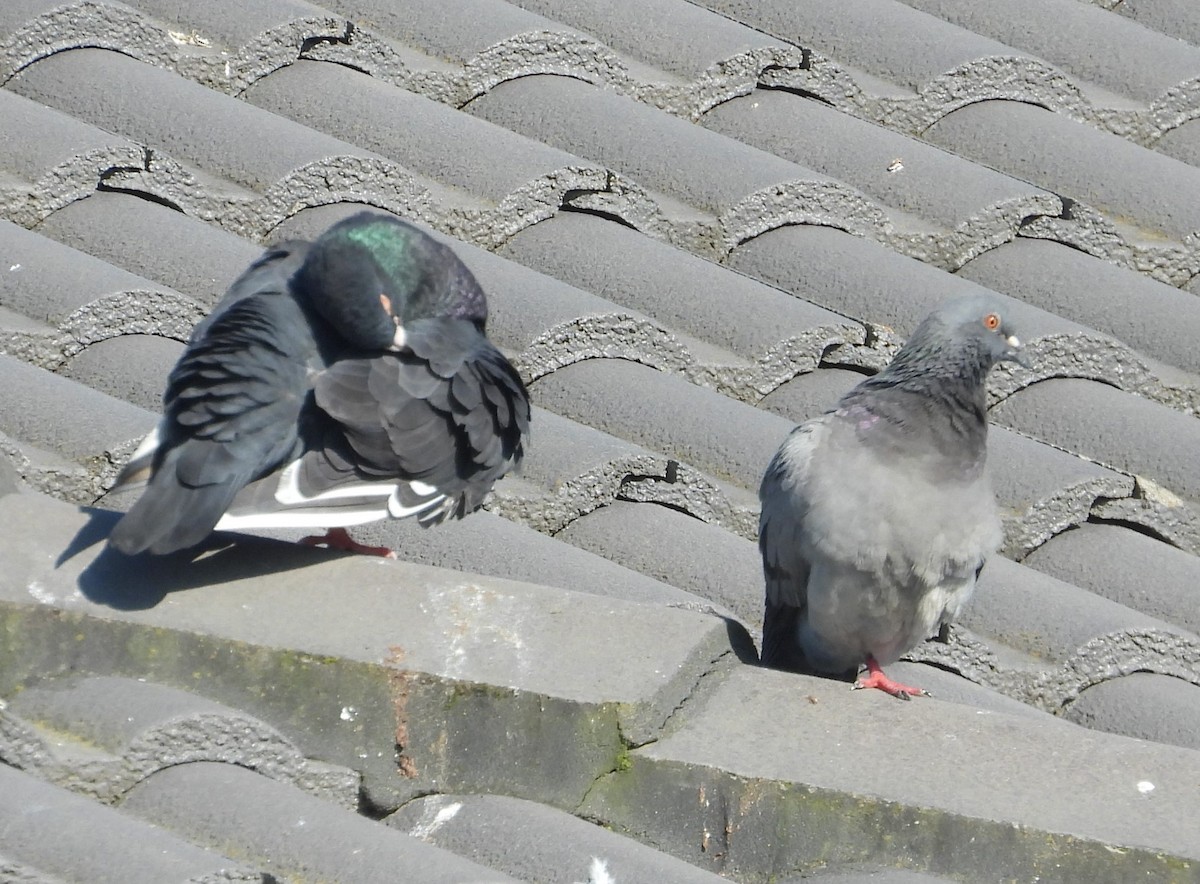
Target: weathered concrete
(290, 833)
(100, 736)
(422, 679)
(49, 830)
(777, 774)
(536, 843)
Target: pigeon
(337, 382)
(878, 515)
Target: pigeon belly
(886, 573)
(852, 614)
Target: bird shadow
(138, 582)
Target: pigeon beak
(1015, 352)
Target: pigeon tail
(171, 517)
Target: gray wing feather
(452, 413)
(783, 495)
(230, 411)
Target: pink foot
(876, 679)
(340, 539)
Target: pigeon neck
(943, 414)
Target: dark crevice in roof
(791, 90)
(104, 187)
(1136, 527)
(567, 206)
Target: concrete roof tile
(708, 561)
(664, 153)
(1177, 18)
(436, 141)
(186, 120)
(1142, 705)
(533, 842)
(882, 37)
(866, 280)
(49, 411)
(726, 438)
(1082, 38)
(457, 29)
(91, 842)
(1156, 319)
(1115, 562)
(287, 832)
(1141, 187)
(678, 38)
(189, 256)
(1100, 422)
(49, 281)
(230, 22)
(128, 367)
(893, 168)
(100, 736)
(672, 286)
(52, 139)
(1041, 616)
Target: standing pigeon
(877, 516)
(337, 382)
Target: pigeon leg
(340, 539)
(876, 679)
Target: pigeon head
(961, 340)
(371, 274)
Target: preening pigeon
(337, 382)
(878, 515)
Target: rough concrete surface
(697, 222)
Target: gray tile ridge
(52, 836)
(1168, 706)
(410, 639)
(1155, 439)
(757, 744)
(1108, 560)
(81, 300)
(1114, 52)
(293, 835)
(960, 68)
(79, 459)
(539, 843)
(1176, 18)
(558, 486)
(1169, 651)
(142, 728)
(973, 208)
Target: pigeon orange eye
(992, 321)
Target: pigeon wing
(447, 416)
(784, 497)
(230, 413)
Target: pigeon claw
(876, 679)
(340, 539)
